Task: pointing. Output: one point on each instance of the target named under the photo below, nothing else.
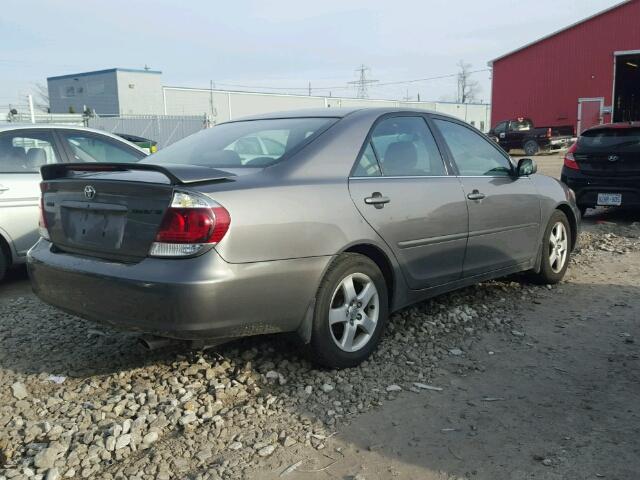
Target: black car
(603, 166)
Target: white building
(120, 91)
(223, 105)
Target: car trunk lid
(112, 211)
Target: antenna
(362, 84)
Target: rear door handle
(476, 195)
(377, 200)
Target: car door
(83, 146)
(504, 210)
(22, 153)
(401, 186)
(501, 135)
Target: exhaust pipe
(151, 342)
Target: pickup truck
(521, 133)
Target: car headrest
(36, 157)
(400, 158)
(15, 159)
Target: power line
(401, 82)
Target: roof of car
(332, 113)
(6, 127)
(622, 125)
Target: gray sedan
(361, 213)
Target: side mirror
(526, 167)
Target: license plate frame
(610, 199)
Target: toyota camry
(316, 222)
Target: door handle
(377, 200)
(3, 188)
(476, 195)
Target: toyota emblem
(613, 158)
(89, 192)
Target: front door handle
(3, 188)
(476, 195)
(377, 200)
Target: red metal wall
(545, 80)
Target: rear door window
(87, 147)
(404, 146)
(368, 165)
(26, 151)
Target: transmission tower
(362, 84)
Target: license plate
(610, 199)
(99, 228)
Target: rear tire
(4, 263)
(350, 313)
(531, 147)
(556, 250)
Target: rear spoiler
(176, 173)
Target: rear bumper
(561, 143)
(587, 188)
(191, 299)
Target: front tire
(350, 313)
(531, 147)
(556, 250)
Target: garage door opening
(626, 105)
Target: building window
(68, 92)
(95, 88)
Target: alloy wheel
(558, 247)
(354, 312)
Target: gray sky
(279, 43)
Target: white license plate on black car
(610, 199)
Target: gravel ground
(81, 401)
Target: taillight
(43, 228)
(549, 132)
(569, 159)
(189, 225)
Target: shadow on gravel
(620, 216)
(559, 402)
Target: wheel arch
(573, 225)
(573, 222)
(374, 253)
(380, 258)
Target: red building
(585, 74)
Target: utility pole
(407, 97)
(362, 84)
(309, 88)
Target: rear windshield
(611, 138)
(254, 143)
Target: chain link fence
(164, 129)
